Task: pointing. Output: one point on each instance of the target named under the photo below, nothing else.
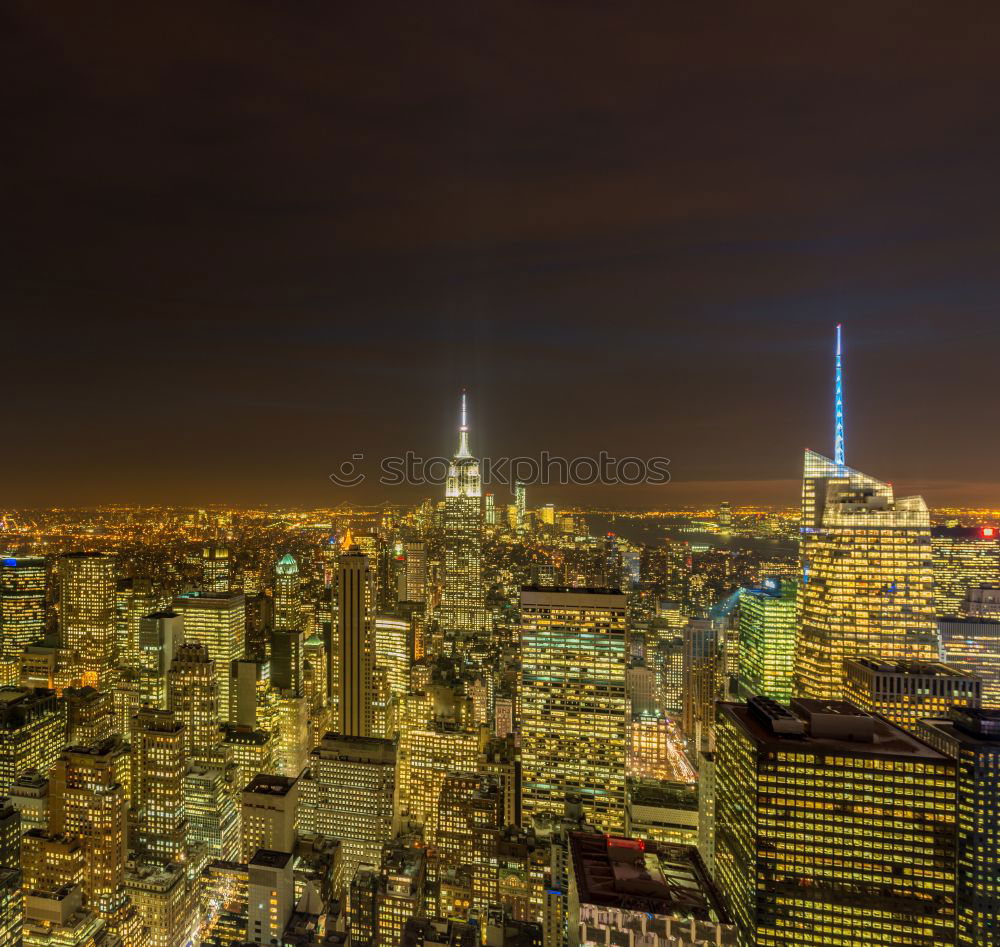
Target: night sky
(246, 240)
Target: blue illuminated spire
(838, 437)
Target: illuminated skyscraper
(160, 824)
(700, 669)
(463, 608)
(394, 651)
(349, 795)
(90, 716)
(416, 572)
(972, 738)
(973, 643)
(193, 696)
(88, 801)
(216, 569)
(32, 732)
(964, 558)
(401, 894)
(11, 907)
(573, 703)
(355, 647)
(867, 572)
(832, 826)
(287, 594)
(160, 635)
(767, 639)
(87, 612)
(164, 903)
(22, 608)
(135, 599)
(218, 620)
(269, 814)
(427, 754)
(210, 807)
(520, 507)
(867, 576)
(271, 896)
(905, 692)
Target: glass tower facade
(867, 576)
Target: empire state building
(462, 603)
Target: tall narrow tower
(838, 408)
(463, 609)
(353, 595)
(867, 576)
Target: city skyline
(499, 475)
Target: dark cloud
(246, 239)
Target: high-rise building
(362, 922)
(135, 598)
(573, 703)
(350, 794)
(270, 808)
(90, 715)
(29, 795)
(700, 666)
(463, 610)
(908, 691)
(87, 613)
(725, 517)
(218, 620)
(973, 645)
(287, 655)
(972, 738)
(11, 907)
(965, 557)
(982, 601)
(625, 888)
(429, 751)
(767, 639)
(354, 640)
(393, 651)
(88, 801)
(832, 826)
(415, 589)
(22, 608)
(213, 819)
(32, 732)
(216, 569)
(867, 569)
(193, 696)
(160, 635)
(164, 902)
(663, 810)
(10, 834)
(401, 894)
(271, 896)
(867, 576)
(287, 594)
(160, 763)
(520, 507)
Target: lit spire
(463, 432)
(838, 436)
